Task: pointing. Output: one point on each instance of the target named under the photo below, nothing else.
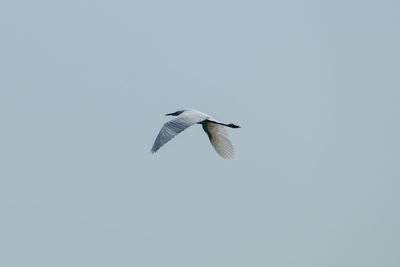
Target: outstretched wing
(218, 136)
(173, 127)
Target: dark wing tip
(153, 150)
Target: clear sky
(314, 84)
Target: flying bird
(215, 130)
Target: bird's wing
(173, 127)
(218, 136)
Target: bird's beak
(169, 114)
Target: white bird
(184, 118)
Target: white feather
(215, 130)
(218, 136)
(173, 127)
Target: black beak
(176, 113)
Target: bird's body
(185, 118)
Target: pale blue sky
(314, 85)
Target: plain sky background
(314, 84)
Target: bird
(185, 118)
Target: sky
(314, 86)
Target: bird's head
(176, 113)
